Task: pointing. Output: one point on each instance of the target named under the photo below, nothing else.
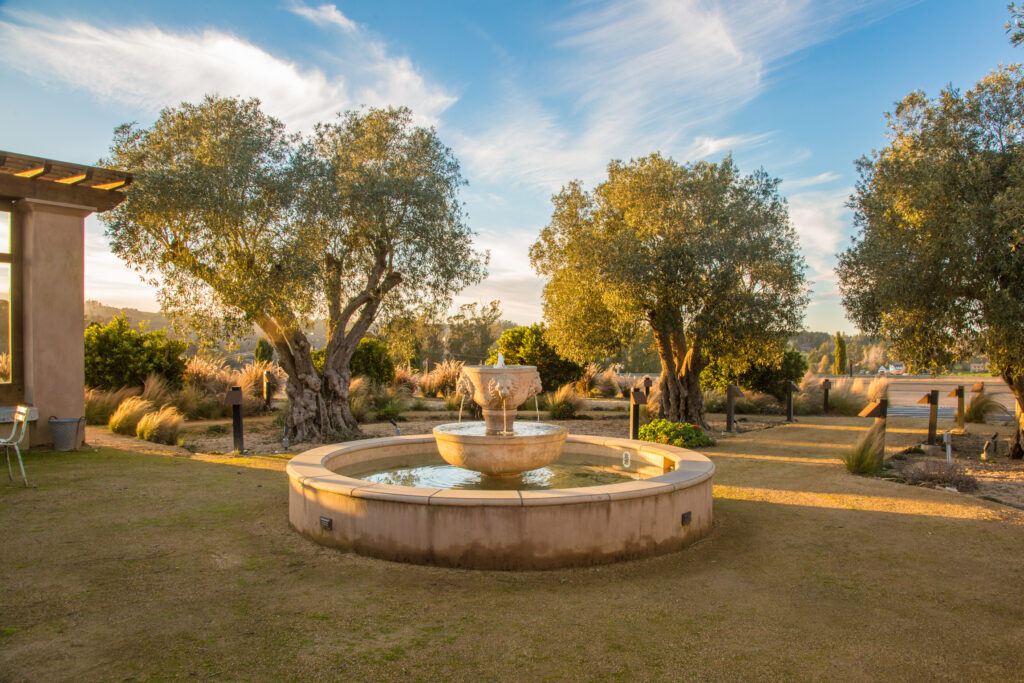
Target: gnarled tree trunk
(318, 402)
(1016, 384)
(681, 364)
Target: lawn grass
(123, 565)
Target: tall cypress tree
(840, 365)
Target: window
(6, 282)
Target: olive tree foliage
(241, 223)
(937, 265)
(701, 255)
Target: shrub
(714, 401)
(125, 418)
(597, 382)
(625, 384)
(681, 434)
(407, 379)
(389, 407)
(528, 346)
(565, 403)
(117, 355)
(210, 375)
(196, 404)
(100, 404)
(878, 389)
(442, 379)
(933, 473)
(264, 351)
(866, 457)
(155, 390)
(767, 378)
(981, 406)
(844, 400)
(452, 401)
(757, 403)
(250, 379)
(360, 399)
(652, 409)
(372, 359)
(161, 426)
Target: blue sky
(528, 94)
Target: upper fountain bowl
(499, 387)
(499, 390)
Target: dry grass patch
(140, 566)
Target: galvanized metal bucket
(67, 433)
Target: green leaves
(117, 355)
(698, 246)
(936, 265)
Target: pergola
(43, 205)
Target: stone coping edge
(311, 469)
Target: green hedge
(118, 355)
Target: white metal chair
(12, 441)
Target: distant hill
(96, 312)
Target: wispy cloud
(813, 181)
(324, 15)
(149, 68)
(646, 75)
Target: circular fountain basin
(666, 508)
(528, 446)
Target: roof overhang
(27, 177)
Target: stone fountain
(379, 497)
(498, 447)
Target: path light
(732, 392)
(790, 388)
(959, 393)
(931, 399)
(826, 384)
(637, 398)
(234, 399)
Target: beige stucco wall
(53, 291)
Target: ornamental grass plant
(160, 426)
(125, 418)
(866, 457)
(565, 403)
(981, 406)
(100, 404)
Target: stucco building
(43, 205)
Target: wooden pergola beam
(15, 186)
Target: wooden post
(637, 398)
(790, 388)
(825, 386)
(879, 410)
(234, 399)
(266, 390)
(959, 393)
(732, 392)
(851, 368)
(932, 400)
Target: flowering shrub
(683, 434)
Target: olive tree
(241, 224)
(937, 264)
(703, 256)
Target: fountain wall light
(501, 494)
